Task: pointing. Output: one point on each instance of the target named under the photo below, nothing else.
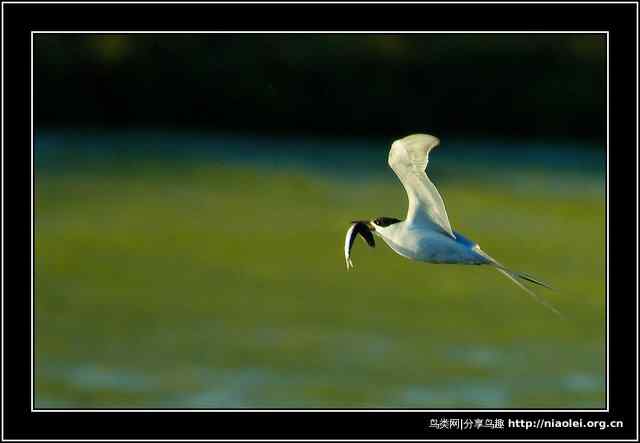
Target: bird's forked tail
(515, 276)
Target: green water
(211, 280)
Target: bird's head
(381, 224)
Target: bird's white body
(417, 243)
(426, 235)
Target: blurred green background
(193, 192)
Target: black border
(20, 19)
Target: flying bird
(426, 234)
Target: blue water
(348, 157)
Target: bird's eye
(385, 221)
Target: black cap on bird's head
(383, 222)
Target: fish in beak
(363, 228)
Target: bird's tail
(517, 276)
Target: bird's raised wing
(408, 158)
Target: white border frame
(319, 32)
(606, 33)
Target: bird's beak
(368, 224)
